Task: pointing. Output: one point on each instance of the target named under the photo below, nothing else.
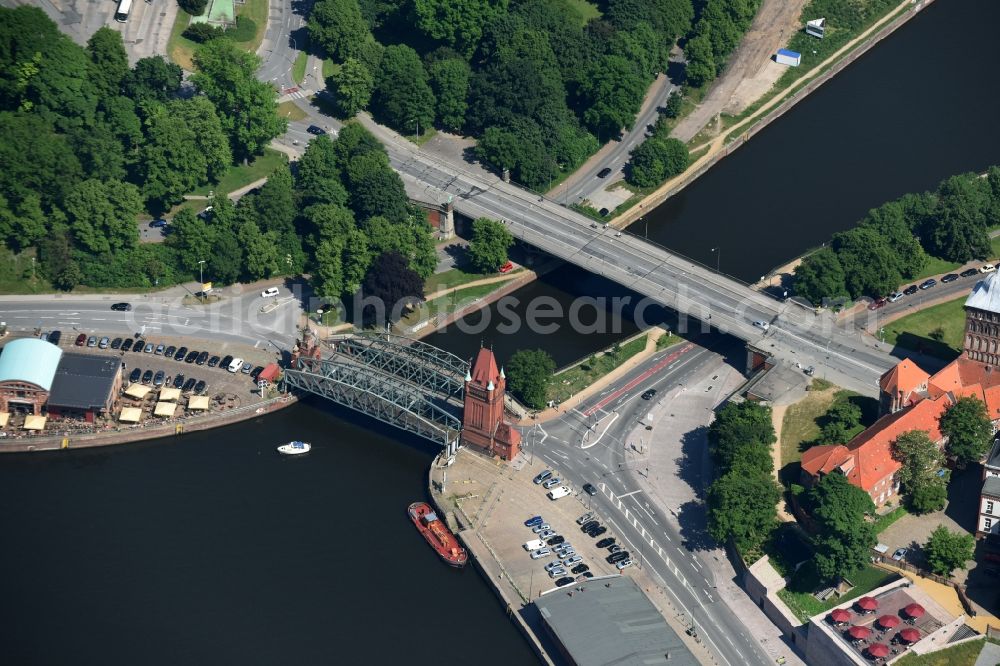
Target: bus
(124, 6)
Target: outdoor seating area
(883, 627)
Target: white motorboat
(294, 448)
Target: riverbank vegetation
(89, 143)
(893, 241)
(576, 378)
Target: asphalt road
(587, 445)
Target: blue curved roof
(30, 360)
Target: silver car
(584, 518)
(547, 534)
(555, 481)
(556, 572)
(565, 553)
(541, 528)
(572, 561)
(552, 565)
(623, 564)
(540, 553)
(105, 341)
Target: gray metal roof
(991, 486)
(985, 295)
(993, 459)
(84, 381)
(610, 620)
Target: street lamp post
(718, 258)
(201, 276)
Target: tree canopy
(843, 537)
(946, 550)
(969, 430)
(742, 432)
(741, 505)
(921, 472)
(528, 372)
(490, 242)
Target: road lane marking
(630, 494)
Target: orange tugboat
(438, 536)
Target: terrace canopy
(878, 650)
(867, 603)
(198, 402)
(130, 415)
(169, 394)
(914, 610)
(859, 632)
(137, 391)
(889, 621)
(909, 635)
(165, 409)
(34, 422)
(840, 615)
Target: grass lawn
(451, 278)
(299, 67)
(935, 266)
(181, 50)
(241, 176)
(585, 10)
(572, 381)
(914, 331)
(804, 605)
(801, 424)
(16, 274)
(329, 68)
(965, 654)
(291, 111)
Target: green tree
(742, 505)
(352, 87)
(193, 7)
(959, 232)
(947, 550)
(338, 27)
(841, 422)
(192, 239)
(611, 94)
(153, 78)
(103, 215)
(742, 432)
(843, 535)
(109, 61)
(521, 148)
(263, 252)
(969, 430)
(675, 102)
(820, 277)
(275, 203)
(449, 81)
(247, 106)
(921, 462)
(655, 160)
(227, 257)
(700, 66)
(528, 372)
(870, 265)
(457, 23)
(391, 281)
(402, 98)
(375, 189)
(490, 242)
(670, 18)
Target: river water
(212, 549)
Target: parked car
(105, 341)
(564, 546)
(138, 345)
(950, 277)
(256, 372)
(546, 534)
(648, 395)
(584, 576)
(762, 325)
(92, 341)
(589, 489)
(554, 481)
(189, 384)
(604, 173)
(169, 351)
(552, 565)
(614, 548)
(580, 568)
(159, 349)
(912, 289)
(877, 303)
(157, 224)
(533, 521)
(191, 356)
(315, 130)
(121, 307)
(181, 354)
(115, 344)
(55, 337)
(538, 478)
(127, 344)
(226, 360)
(565, 553)
(270, 292)
(147, 377)
(178, 381)
(572, 560)
(202, 358)
(618, 557)
(584, 518)
(624, 563)
(158, 378)
(136, 375)
(540, 553)
(214, 361)
(987, 268)
(200, 387)
(556, 540)
(895, 296)
(563, 582)
(150, 348)
(597, 531)
(969, 272)
(557, 572)
(81, 340)
(247, 367)
(899, 554)
(605, 542)
(538, 529)
(587, 525)
(928, 283)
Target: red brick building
(483, 424)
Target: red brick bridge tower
(483, 423)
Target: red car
(507, 268)
(81, 340)
(877, 303)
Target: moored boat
(295, 448)
(437, 534)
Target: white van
(556, 493)
(236, 365)
(270, 292)
(534, 545)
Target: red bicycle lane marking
(641, 378)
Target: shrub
(244, 31)
(193, 7)
(202, 32)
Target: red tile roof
(965, 377)
(824, 459)
(904, 378)
(484, 368)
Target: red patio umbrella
(867, 603)
(909, 635)
(859, 632)
(914, 610)
(840, 615)
(878, 650)
(889, 621)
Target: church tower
(483, 424)
(982, 322)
